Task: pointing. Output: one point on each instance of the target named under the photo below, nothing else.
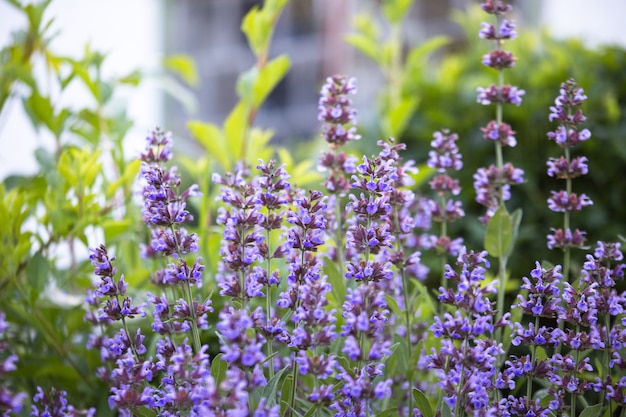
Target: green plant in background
(546, 62)
(83, 184)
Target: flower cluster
(566, 111)
(465, 364)
(492, 184)
(445, 158)
(55, 404)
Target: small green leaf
(184, 66)
(337, 283)
(388, 412)
(271, 388)
(269, 76)
(422, 403)
(445, 410)
(211, 138)
(516, 221)
(37, 273)
(396, 10)
(499, 233)
(396, 119)
(40, 110)
(235, 127)
(143, 412)
(366, 45)
(218, 369)
(592, 411)
(393, 305)
(285, 394)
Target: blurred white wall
(596, 22)
(128, 31)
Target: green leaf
(592, 411)
(184, 66)
(417, 56)
(499, 233)
(211, 138)
(143, 412)
(114, 228)
(269, 76)
(337, 282)
(134, 78)
(422, 403)
(516, 221)
(218, 369)
(396, 119)
(393, 305)
(271, 388)
(285, 394)
(366, 45)
(37, 273)
(445, 410)
(40, 110)
(395, 10)
(235, 127)
(388, 412)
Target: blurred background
(138, 34)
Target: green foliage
(446, 94)
(52, 214)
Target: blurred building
(311, 32)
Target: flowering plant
(316, 300)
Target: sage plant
(493, 183)
(568, 114)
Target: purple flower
(561, 201)
(336, 112)
(500, 132)
(55, 404)
(506, 94)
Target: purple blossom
(506, 94)
(562, 202)
(336, 112)
(500, 132)
(55, 404)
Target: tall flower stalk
(492, 184)
(567, 113)
(339, 119)
(445, 158)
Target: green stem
(268, 305)
(294, 385)
(195, 333)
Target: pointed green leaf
(184, 66)
(269, 76)
(218, 369)
(499, 233)
(592, 411)
(388, 412)
(396, 10)
(396, 119)
(422, 403)
(367, 46)
(285, 394)
(516, 221)
(271, 388)
(235, 128)
(212, 140)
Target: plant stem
(268, 306)
(294, 385)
